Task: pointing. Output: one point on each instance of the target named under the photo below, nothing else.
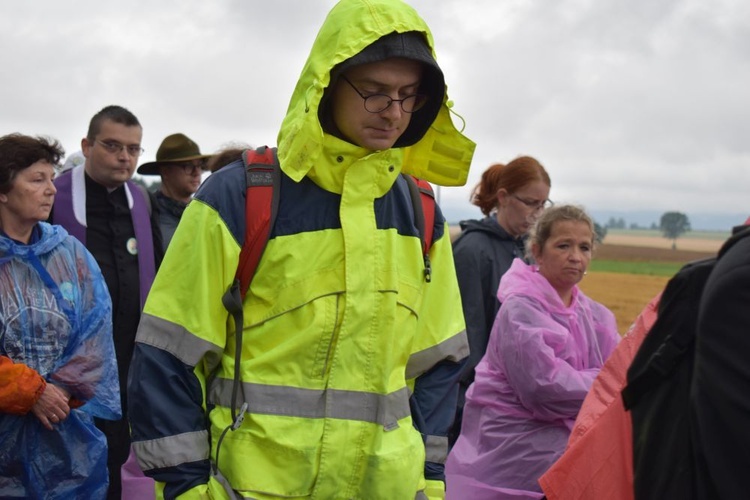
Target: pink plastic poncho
(598, 462)
(541, 360)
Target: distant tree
(613, 223)
(634, 225)
(600, 232)
(673, 225)
(654, 226)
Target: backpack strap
(423, 203)
(263, 180)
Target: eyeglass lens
(191, 168)
(377, 103)
(116, 147)
(536, 205)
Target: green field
(648, 261)
(667, 269)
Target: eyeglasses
(533, 204)
(116, 147)
(377, 103)
(190, 167)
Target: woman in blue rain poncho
(57, 362)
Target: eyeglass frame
(114, 147)
(391, 100)
(534, 205)
(190, 166)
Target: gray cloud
(630, 104)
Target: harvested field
(624, 294)
(627, 294)
(611, 251)
(625, 244)
(694, 244)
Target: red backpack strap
(427, 197)
(423, 203)
(263, 180)
(263, 177)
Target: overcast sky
(629, 104)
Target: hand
(52, 406)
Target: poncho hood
(524, 280)
(50, 237)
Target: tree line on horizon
(671, 224)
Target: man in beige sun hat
(180, 164)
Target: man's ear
(85, 146)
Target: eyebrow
(115, 141)
(382, 85)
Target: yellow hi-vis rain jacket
(349, 357)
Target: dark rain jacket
(719, 397)
(483, 253)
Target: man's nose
(394, 111)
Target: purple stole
(64, 214)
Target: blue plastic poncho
(55, 317)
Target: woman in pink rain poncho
(547, 345)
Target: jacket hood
(51, 237)
(436, 152)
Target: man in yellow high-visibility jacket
(350, 357)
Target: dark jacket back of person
(720, 391)
(686, 381)
(169, 214)
(483, 253)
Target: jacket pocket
(279, 456)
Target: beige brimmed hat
(174, 149)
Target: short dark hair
(117, 114)
(18, 152)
